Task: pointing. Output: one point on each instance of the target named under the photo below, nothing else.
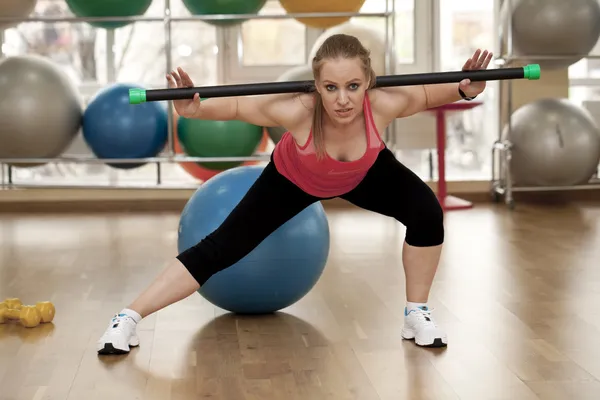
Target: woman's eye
(353, 86)
(330, 87)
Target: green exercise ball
(212, 7)
(109, 8)
(206, 138)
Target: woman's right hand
(186, 107)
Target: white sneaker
(420, 326)
(119, 336)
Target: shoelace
(424, 316)
(115, 322)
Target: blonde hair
(336, 46)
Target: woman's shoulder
(296, 116)
(307, 100)
(303, 109)
(385, 102)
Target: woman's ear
(317, 87)
(372, 79)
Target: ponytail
(317, 127)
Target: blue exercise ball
(281, 270)
(115, 129)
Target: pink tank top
(327, 177)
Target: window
(584, 78)
(465, 26)
(70, 45)
(137, 56)
(403, 36)
(271, 42)
(260, 50)
(587, 68)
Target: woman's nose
(342, 98)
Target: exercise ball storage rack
(502, 186)
(169, 154)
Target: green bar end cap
(137, 96)
(532, 72)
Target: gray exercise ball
(552, 28)
(17, 9)
(555, 143)
(40, 109)
(300, 73)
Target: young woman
(332, 149)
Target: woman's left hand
(480, 60)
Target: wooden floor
(518, 293)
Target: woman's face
(342, 85)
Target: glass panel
(283, 42)
(581, 94)
(465, 26)
(140, 50)
(404, 26)
(405, 31)
(272, 42)
(587, 67)
(139, 58)
(588, 94)
(76, 47)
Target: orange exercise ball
(320, 6)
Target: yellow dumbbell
(28, 316)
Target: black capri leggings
(389, 188)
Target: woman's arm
(286, 110)
(404, 101)
(264, 110)
(400, 102)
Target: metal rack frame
(6, 169)
(501, 180)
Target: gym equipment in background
(111, 8)
(15, 9)
(320, 6)
(553, 143)
(40, 109)
(138, 96)
(551, 28)
(114, 130)
(206, 138)
(228, 7)
(281, 270)
(302, 72)
(369, 37)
